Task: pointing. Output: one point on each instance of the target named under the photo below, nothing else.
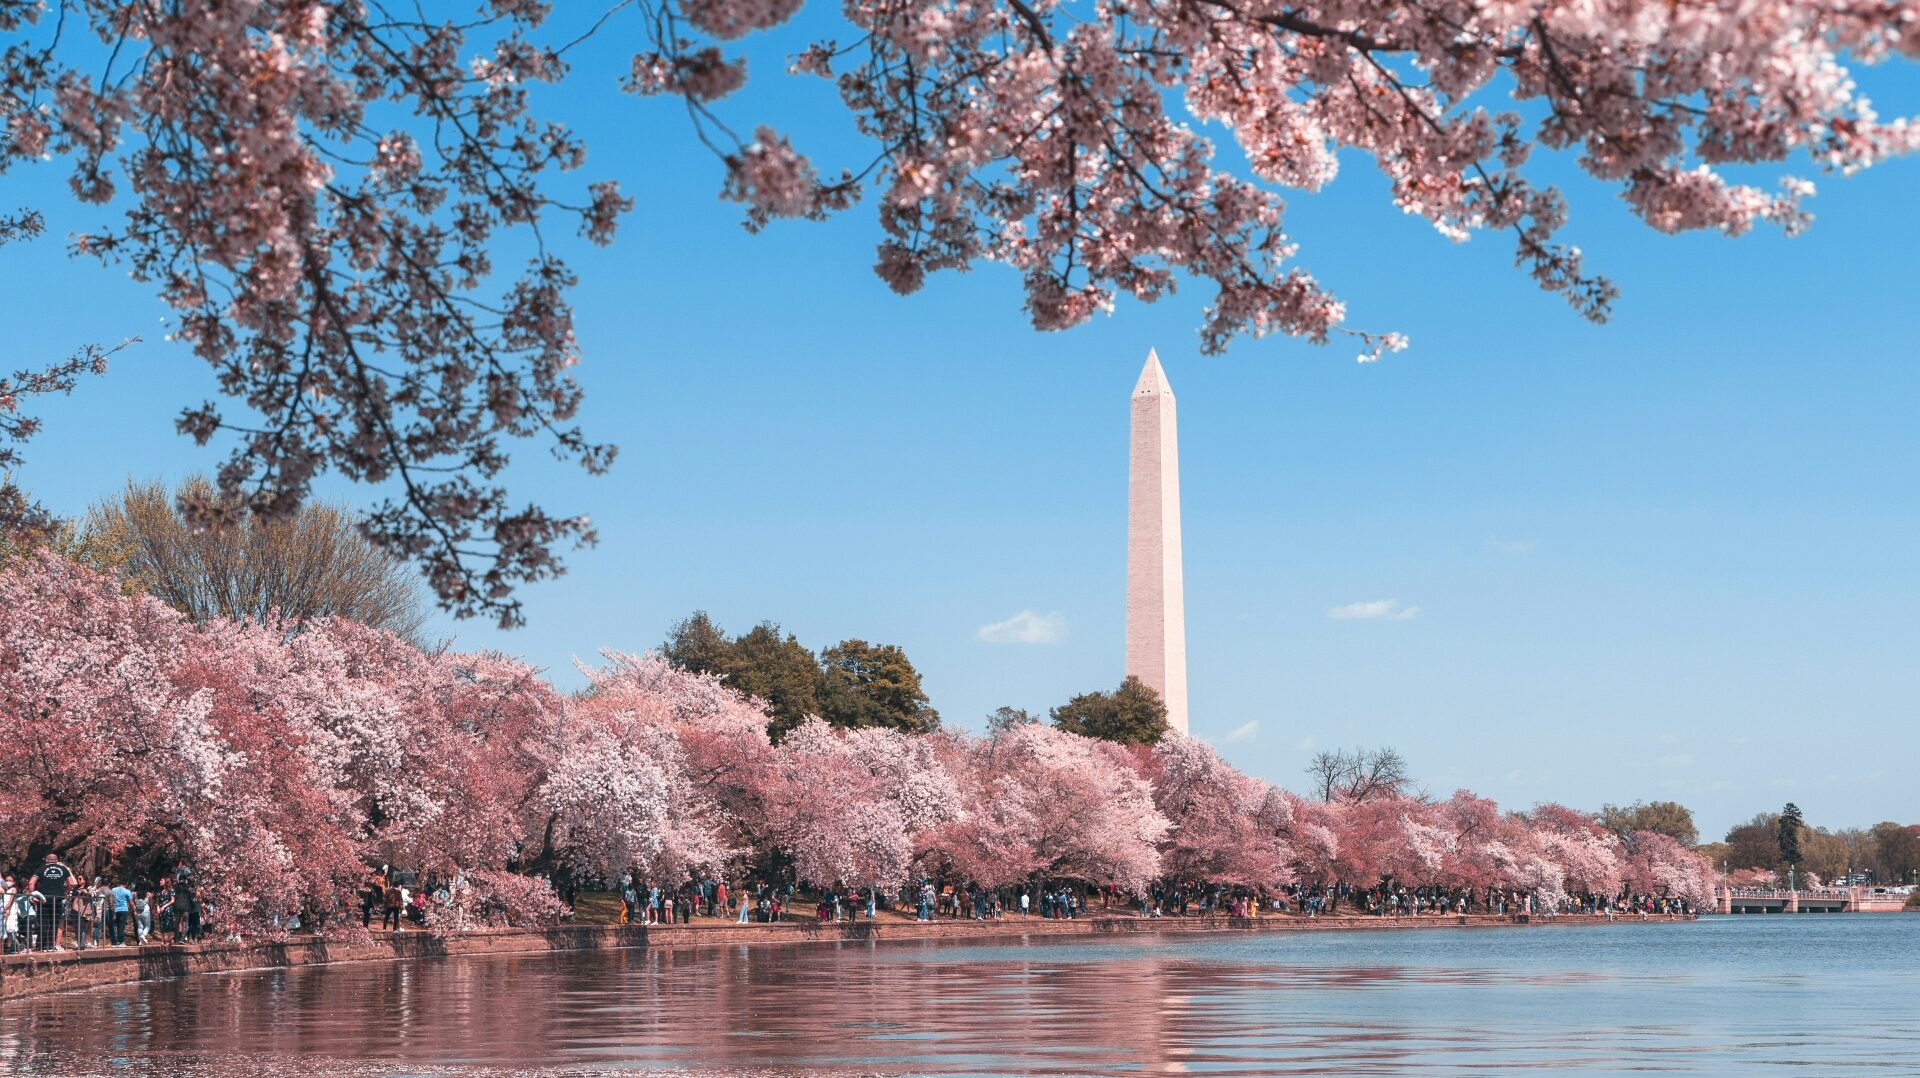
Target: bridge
(1821, 900)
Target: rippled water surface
(1805, 994)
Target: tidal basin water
(1805, 994)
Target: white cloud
(1243, 731)
(1374, 610)
(1512, 546)
(1026, 627)
(1304, 743)
(1678, 759)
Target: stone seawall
(23, 975)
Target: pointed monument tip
(1153, 379)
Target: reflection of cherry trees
(281, 761)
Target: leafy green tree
(1718, 853)
(1755, 844)
(697, 645)
(1132, 714)
(1668, 818)
(1896, 851)
(778, 669)
(852, 683)
(864, 684)
(1788, 831)
(1826, 854)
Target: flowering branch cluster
(317, 189)
(320, 188)
(1050, 136)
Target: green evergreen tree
(864, 684)
(1132, 714)
(1669, 818)
(1789, 835)
(697, 645)
(776, 668)
(851, 684)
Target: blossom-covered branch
(317, 190)
(320, 188)
(1054, 136)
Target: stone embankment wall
(39, 973)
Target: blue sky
(1669, 557)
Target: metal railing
(79, 920)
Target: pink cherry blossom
(346, 279)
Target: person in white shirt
(9, 917)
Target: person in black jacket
(54, 878)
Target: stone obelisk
(1156, 608)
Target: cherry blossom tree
(314, 188)
(1656, 864)
(320, 188)
(1226, 826)
(1486, 844)
(608, 800)
(684, 760)
(1586, 854)
(853, 805)
(1043, 801)
(103, 746)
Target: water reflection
(1714, 997)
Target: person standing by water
(120, 909)
(28, 905)
(52, 884)
(391, 902)
(11, 900)
(167, 922)
(101, 900)
(143, 911)
(186, 907)
(371, 895)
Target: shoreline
(44, 973)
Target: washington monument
(1156, 609)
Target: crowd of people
(928, 900)
(653, 904)
(52, 907)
